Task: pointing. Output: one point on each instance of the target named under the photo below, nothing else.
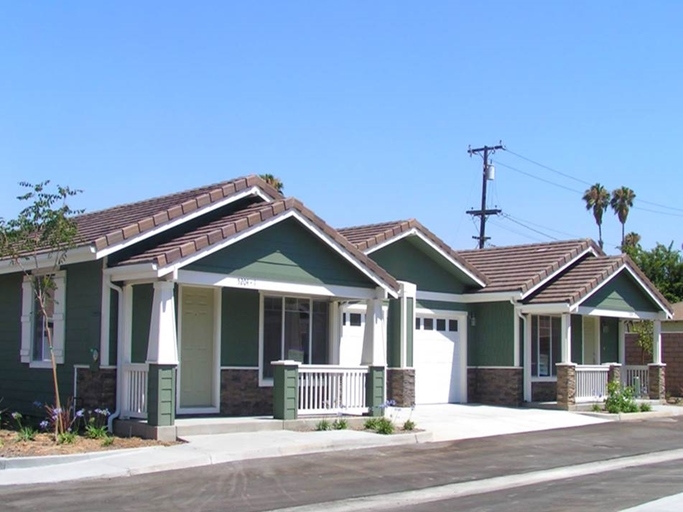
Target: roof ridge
(375, 224)
(521, 246)
(556, 265)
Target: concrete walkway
(438, 423)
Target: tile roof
(584, 277)
(368, 236)
(231, 224)
(518, 268)
(109, 227)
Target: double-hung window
(294, 328)
(545, 345)
(40, 324)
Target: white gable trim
(47, 261)
(469, 298)
(253, 191)
(637, 315)
(421, 236)
(149, 270)
(564, 267)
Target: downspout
(517, 351)
(119, 356)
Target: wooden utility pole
(486, 175)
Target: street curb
(630, 416)
(55, 460)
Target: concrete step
(206, 425)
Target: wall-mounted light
(473, 320)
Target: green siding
(441, 305)
(394, 333)
(671, 326)
(410, 330)
(416, 262)
(622, 293)
(491, 340)
(20, 385)
(285, 392)
(286, 252)
(609, 340)
(239, 327)
(577, 339)
(143, 294)
(161, 391)
(113, 326)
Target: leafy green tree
(663, 266)
(37, 242)
(273, 181)
(597, 200)
(644, 329)
(631, 239)
(621, 203)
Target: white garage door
(435, 358)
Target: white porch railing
(134, 390)
(325, 389)
(591, 382)
(629, 373)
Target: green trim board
(411, 259)
(440, 305)
(622, 293)
(284, 252)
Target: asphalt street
(317, 480)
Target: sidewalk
(439, 423)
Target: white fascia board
(668, 314)
(47, 261)
(196, 278)
(141, 271)
(466, 298)
(557, 272)
(460, 315)
(264, 225)
(612, 313)
(549, 309)
(253, 191)
(421, 236)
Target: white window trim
(58, 322)
(543, 378)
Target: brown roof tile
(519, 268)
(368, 236)
(114, 225)
(223, 228)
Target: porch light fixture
(473, 320)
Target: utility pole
(487, 174)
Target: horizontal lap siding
(20, 385)
(287, 252)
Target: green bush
(620, 399)
(409, 425)
(323, 425)
(645, 407)
(371, 423)
(384, 426)
(340, 424)
(596, 408)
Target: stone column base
(566, 385)
(401, 386)
(656, 385)
(614, 373)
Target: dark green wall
(609, 340)
(441, 305)
(394, 333)
(113, 326)
(143, 294)
(406, 262)
(622, 293)
(491, 340)
(20, 385)
(577, 339)
(410, 330)
(239, 327)
(287, 252)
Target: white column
(407, 291)
(374, 340)
(566, 338)
(657, 342)
(335, 332)
(527, 358)
(622, 343)
(163, 346)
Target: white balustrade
(325, 389)
(629, 374)
(591, 382)
(134, 391)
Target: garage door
(435, 358)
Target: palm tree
(274, 182)
(597, 199)
(631, 239)
(621, 203)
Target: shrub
(645, 407)
(409, 425)
(96, 424)
(340, 424)
(323, 425)
(596, 408)
(67, 437)
(107, 440)
(24, 432)
(371, 423)
(384, 426)
(620, 399)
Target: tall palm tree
(597, 200)
(631, 239)
(621, 203)
(274, 182)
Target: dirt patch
(44, 444)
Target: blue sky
(364, 109)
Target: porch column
(162, 357)
(374, 342)
(400, 326)
(656, 375)
(566, 340)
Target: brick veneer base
(495, 386)
(96, 388)
(672, 356)
(401, 386)
(543, 391)
(241, 394)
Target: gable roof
(520, 268)
(106, 228)
(371, 237)
(212, 233)
(584, 278)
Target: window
(35, 346)
(428, 324)
(453, 325)
(295, 328)
(441, 324)
(545, 345)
